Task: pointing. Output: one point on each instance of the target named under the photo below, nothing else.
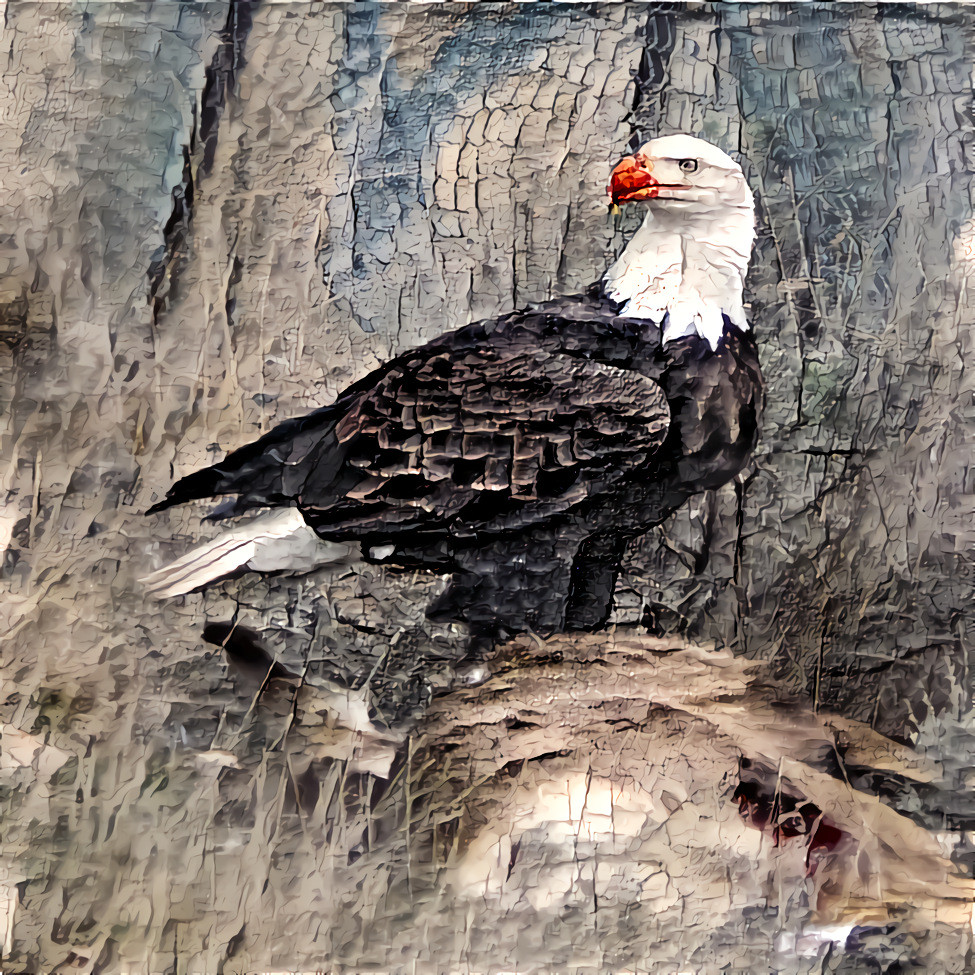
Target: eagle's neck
(686, 269)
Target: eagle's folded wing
(478, 437)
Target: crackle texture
(215, 216)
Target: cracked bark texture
(215, 216)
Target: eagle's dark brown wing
(480, 437)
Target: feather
(272, 542)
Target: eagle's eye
(688, 165)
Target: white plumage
(269, 543)
(685, 267)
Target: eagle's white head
(687, 262)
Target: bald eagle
(520, 455)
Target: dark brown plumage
(568, 419)
(492, 422)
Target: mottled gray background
(214, 215)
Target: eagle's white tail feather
(275, 541)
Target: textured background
(214, 216)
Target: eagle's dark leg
(512, 584)
(595, 570)
(469, 599)
(608, 526)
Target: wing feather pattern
(475, 438)
(489, 427)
